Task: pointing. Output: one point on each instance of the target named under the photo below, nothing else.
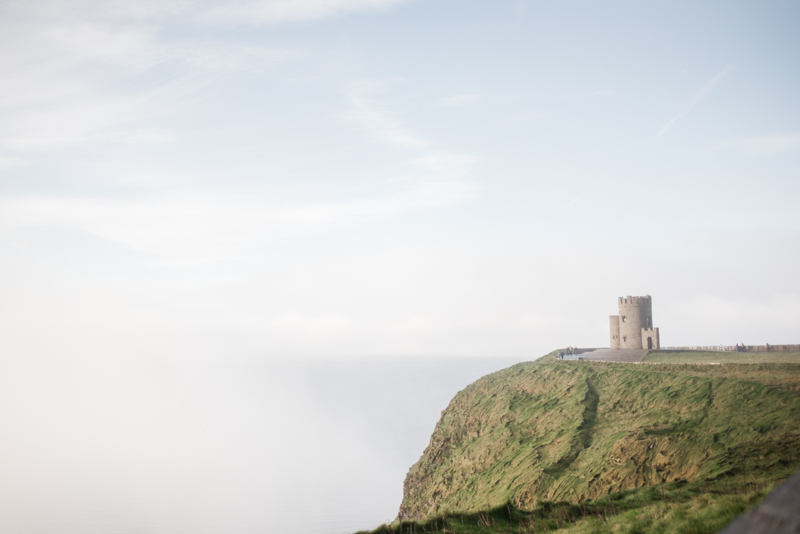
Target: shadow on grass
(676, 507)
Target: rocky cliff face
(571, 431)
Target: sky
(381, 178)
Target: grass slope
(722, 357)
(585, 433)
(673, 508)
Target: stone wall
(635, 313)
(653, 336)
(613, 325)
(732, 348)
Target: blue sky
(386, 177)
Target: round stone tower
(633, 327)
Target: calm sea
(217, 447)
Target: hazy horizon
(132, 445)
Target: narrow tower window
(624, 319)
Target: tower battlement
(647, 299)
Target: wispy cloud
(366, 112)
(447, 164)
(704, 91)
(191, 230)
(459, 100)
(188, 227)
(585, 94)
(80, 75)
(290, 10)
(210, 11)
(767, 144)
(430, 165)
(81, 70)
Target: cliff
(576, 431)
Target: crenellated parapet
(635, 301)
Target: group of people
(742, 348)
(569, 351)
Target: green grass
(677, 508)
(651, 448)
(723, 357)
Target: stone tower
(633, 327)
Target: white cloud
(79, 72)
(698, 96)
(290, 10)
(200, 229)
(459, 100)
(71, 85)
(143, 136)
(239, 11)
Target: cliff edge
(574, 431)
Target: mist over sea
(216, 446)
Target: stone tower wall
(652, 334)
(613, 323)
(635, 313)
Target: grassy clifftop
(574, 432)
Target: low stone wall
(778, 514)
(733, 348)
